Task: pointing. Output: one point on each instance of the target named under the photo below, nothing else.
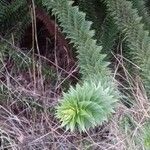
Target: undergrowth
(92, 93)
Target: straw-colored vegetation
(74, 75)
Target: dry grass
(27, 115)
(27, 119)
(27, 109)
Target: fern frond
(109, 34)
(11, 14)
(92, 66)
(147, 3)
(138, 40)
(3, 5)
(96, 12)
(143, 12)
(104, 26)
(78, 30)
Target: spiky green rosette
(85, 106)
(138, 40)
(89, 104)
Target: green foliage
(127, 124)
(86, 106)
(92, 101)
(92, 66)
(138, 40)
(17, 57)
(106, 31)
(15, 17)
(140, 5)
(146, 136)
(11, 14)
(91, 62)
(95, 11)
(3, 5)
(109, 34)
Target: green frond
(78, 30)
(140, 5)
(138, 40)
(3, 5)
(109, 34)
(96, 12)
(96, 87)
(11, 14)
(103, 24)
(147, 3)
